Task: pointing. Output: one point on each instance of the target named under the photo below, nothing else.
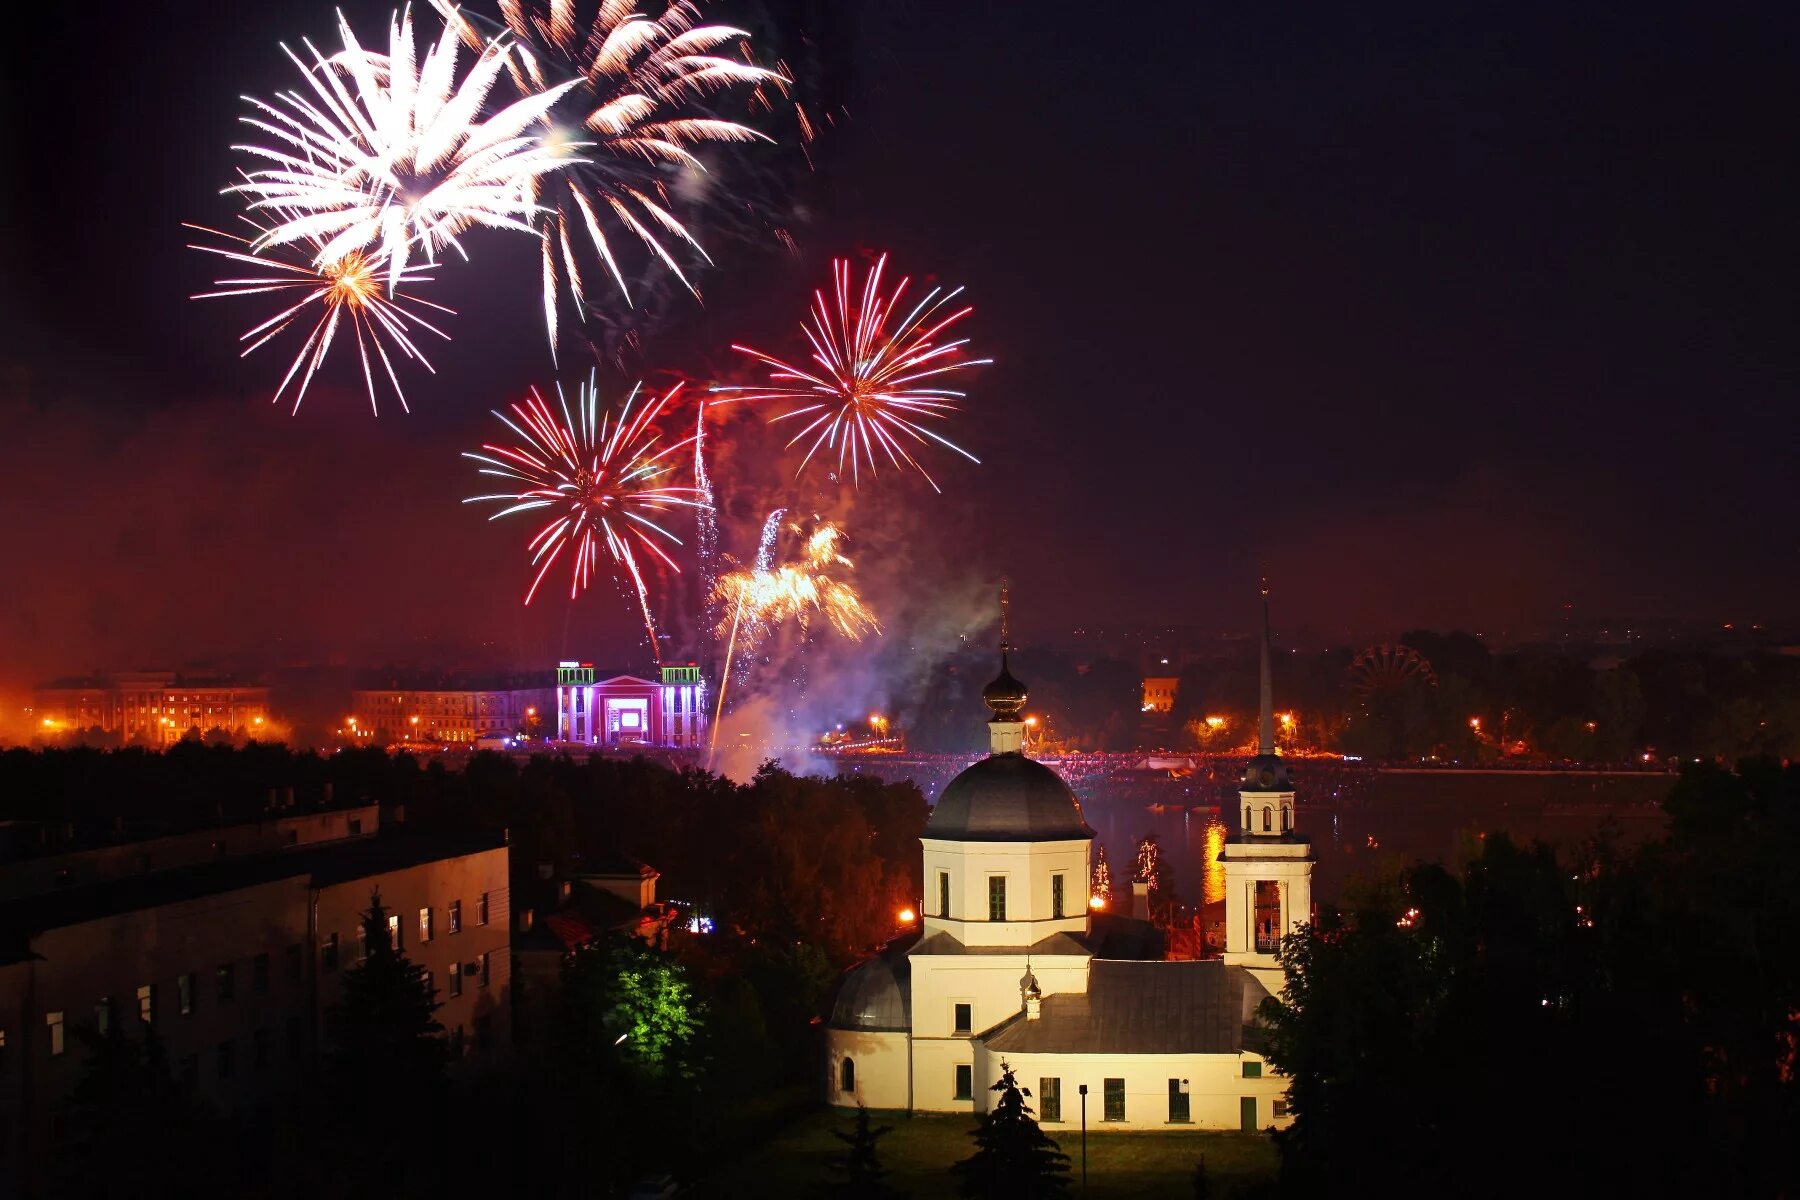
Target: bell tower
(1268, 866)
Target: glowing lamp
(906, 916)
(1096, 902)
(1215, 722)
(1474, 722)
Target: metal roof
(1142, 1008)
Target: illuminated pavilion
(1013, 964)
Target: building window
(456, 916)
(355, 826)
(146, 997)
(482, 975)
(103, 1016)
(328, 952)
(456, 979)
(1268, 826)
(296, 962)
(394, 942)
(996, 897)
(1178, 1102)
(965, 1082)
(1281, 1106)
(259, 974)
(1114, 1109)
(847, 1075)
(227, 1058)
(362, 943)
(944, 894)
(481, 909)
(54, 1022)
(259, 1049)
(227, 979)
(424, 925)
(1252, 1070)
(1049, 1099)
(965, 1018)
(1056, 897)
(430, 991)
(296, 1037)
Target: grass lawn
(796, 1161)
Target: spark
(347, 291)
(639, 107)
(874, 381)
(391, 149)
(603, 480)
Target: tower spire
(1005, 615)
(1265, 729)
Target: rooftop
(1202, 1007)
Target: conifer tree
(1013, 1157)
(859, 1168)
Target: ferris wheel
(1389, 668)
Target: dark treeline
(652, 1060)
(1608, 1023)
(1669, 703)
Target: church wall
(1028, 868)
(1216, 1088)
(934, 1073)
(989, 983)
(880, 1062)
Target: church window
(965, 1082)
(1049, 1099)
(1248, 823)
(1268, 822)
(1281, 1106)
(1252, 1070)
(1179, 1112)
(847, 1076)
(996, 897)
(1114, 1109)
(1287, 819)
(965, 1018)
(1056, 896)
(944, 894)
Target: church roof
(876, 994)
(1007, 798)
(1202, 1007)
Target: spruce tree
(859, 1167)
(1013, 1157)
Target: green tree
(860, 1175)
(127, 1110)
(627, 1006)
(1013, 1157)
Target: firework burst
(392, 150)
(639, 109)
(602, 478)
(874, 380)
(348, 291)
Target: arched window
(1268, 819)
(1287, 819)
(847, 1076)
(1249, 823)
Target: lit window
(424, 925)
(996, 897)
(456, 978)
(1114, 1108)
(965, 1082)
(483, 962)
(394, 942)
(146, 998)
(1049, 1099)
(965, 1018)
(54, 1021)
(455, 916)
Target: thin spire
(1005, 613)
(1265, 730)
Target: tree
(127, 1110)
(1202, 1182)
(859, 1168)
(1013, 1157)
(626, 1006)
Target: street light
(1082, 1088)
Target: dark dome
(876, 994)
(1007, 798)
(1005, 695)
(1267, 773)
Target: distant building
(626, 710)
(460, 711)
(150, 707)
(231, 943)
(1159, 693)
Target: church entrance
(1247, 1114)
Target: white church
(1012, 963)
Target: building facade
(151, 707)
(231, 943)
(460, 715)
(629, 710)
(1013, 964)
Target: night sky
(1439, 314)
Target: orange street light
(1475, 723)
(1215, 722)
(1096, 902)
(906, 916)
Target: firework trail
(348, 291)
(391, 149)
(636, 90)
(602, 477)
(766, 595)
(874, 380)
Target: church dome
(1267, 773)
(1007, 798)
(876, 994)
(1005, 695)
